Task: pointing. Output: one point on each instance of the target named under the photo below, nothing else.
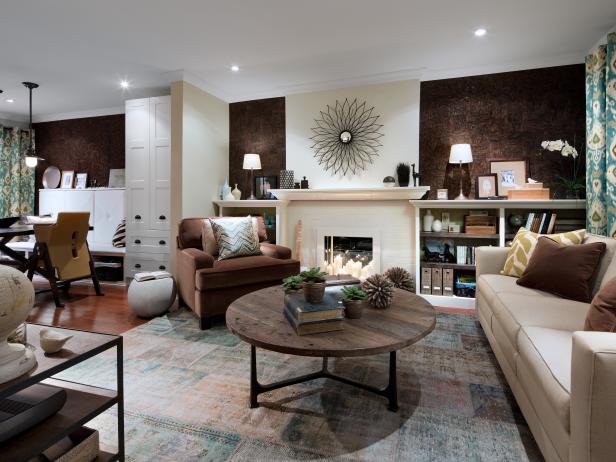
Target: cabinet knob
(162, 217)
(137, 265)
(137, 217)
(162, 242)
(162, 267)
(137, 241)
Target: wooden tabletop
(257, 318)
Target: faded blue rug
(187, 400)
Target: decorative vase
(16, 299)
(286, 179)
(225, 190)
(236, 193)
(229, 196)
(427, 221)
(437, 226)
(389, 182)
(313, 291)
(353, 309)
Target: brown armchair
(208, 285)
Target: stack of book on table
(308, 318)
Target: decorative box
(85, 446)
(480, 224)
(286, 179)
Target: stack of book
(465, 255)
(308, 318)
(541, 222)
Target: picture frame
(262, 186)
(486, 186)
(68, 178)
(509, 173)
(442, 194)
(116, 178)
(81, 181)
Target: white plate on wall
(51, 177)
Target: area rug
(187, 400)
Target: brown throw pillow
(602, 312)
(563, 270)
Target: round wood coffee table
(257, 318)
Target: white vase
(437, 226)
(427, 221)
(229, 196)
(225, 190)
(236, 193)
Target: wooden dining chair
(62, 254)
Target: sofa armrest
(275, 251)
(189, 261)
(490, 260)
(593, 396)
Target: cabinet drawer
(138, 263)
(148, 242)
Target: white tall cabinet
(148, 167)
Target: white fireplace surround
(351, 231)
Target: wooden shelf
(430, 264)
(83, 403)
(458, 235)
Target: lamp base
(252, 198)
(461, 197)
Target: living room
(329, 231)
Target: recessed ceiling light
(235, 68)
(124, 84)
(480, 32)
(9, 100)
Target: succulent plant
(353, 293)
(380, 290)
(292, 283)
(401, 278)
(313, 275)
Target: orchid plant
(572, 182)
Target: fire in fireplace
(349, 255)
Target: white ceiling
(78, 50)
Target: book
(551, 224)
(303, 311)
(341, 280)
(315, 327)
(529, 220)
(151, 276)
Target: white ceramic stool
(151, 298)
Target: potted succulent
(292, 284)
(313, 284)
(354, 301)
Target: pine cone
(401, 278)
(380, 290)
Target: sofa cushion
(547, 354)
(245, 270)
(602, 312)
(607, 267)
(491, 284)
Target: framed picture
(509, 173)
(116, 178)
(442, 194)
(263, 184)
(485, 186)
(82, 181)
(68, 177)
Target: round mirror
(345, 137)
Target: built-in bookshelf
(453, 284)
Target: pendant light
(31, 157)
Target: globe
(16, 300)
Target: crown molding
(179, 75)
(78, 114)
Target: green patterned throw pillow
(524, 243)
(235, 238)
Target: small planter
(353, 309)
(314, 291)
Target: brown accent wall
(502, 116)
(89, 145)
(256, 126)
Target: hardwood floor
(85, 310)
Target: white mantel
(351, 194)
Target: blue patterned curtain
(16, 179)
(601, 139)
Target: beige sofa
(564, 379)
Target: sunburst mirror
(346, 137)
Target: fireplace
(349, 252)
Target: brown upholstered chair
(208, 286)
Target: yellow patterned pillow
(524, 243)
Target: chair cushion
(245, 270)
(524, 244)
(602, 312)
(208, 238)
(236, 237)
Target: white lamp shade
(460, 153)
(252, 162)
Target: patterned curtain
(601, 139)
(16, 179)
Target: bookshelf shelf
(456, 266)
(458, 235)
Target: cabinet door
(108, 213)
(137, 162)
(160, 162)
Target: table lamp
(460, 154)
(252, 162)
